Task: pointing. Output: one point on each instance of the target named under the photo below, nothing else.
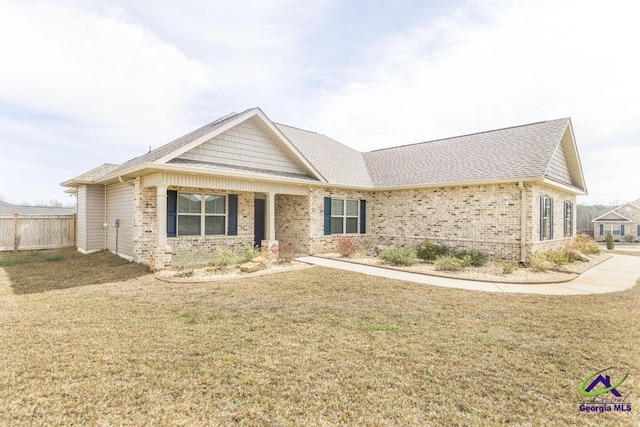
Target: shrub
(539, 262)
(609, 240)
(559, 258)
(472, 258)
(450, 263)
(346, 246)
(222, 258)
(287, 252)
(398, 256)
(629, 238)
(429, 251)
(586, 245)
(250, 253)
(509, 267)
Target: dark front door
(258, 220)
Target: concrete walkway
(618, 273)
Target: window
(568, 219)
(201, 212)
(344, 216)
(614, 229)
(546, 218)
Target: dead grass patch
(311, 347)
(41, 271)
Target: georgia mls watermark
(603, 395)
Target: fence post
(16, 236)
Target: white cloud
(496, 64)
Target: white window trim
(202, 214)
(610, 227)
(344, 216)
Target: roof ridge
(465, 135)
(303, 130)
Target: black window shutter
(551, 219)
(566, 216)
(542, 212)
(232, 222)
(327, 216)
(622, 229)
(363, 216)
(172, 211)
(601, 229)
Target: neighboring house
(622, 222)
(9, 209)
(243, 179)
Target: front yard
(315, 346)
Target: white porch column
(271, 217)
(161, 215)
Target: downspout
(523, 222)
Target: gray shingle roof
(338, 163)
(96, 173)
(511, 153)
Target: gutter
(523, 222)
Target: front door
(258, 220)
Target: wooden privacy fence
(24, 232)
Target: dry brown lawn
(311, 347)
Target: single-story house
(622, 222)
(244, 179)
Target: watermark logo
(604, 393)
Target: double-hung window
(546, 218)
(614, 229)
(345, 214)
(201, 214)
(568, 219)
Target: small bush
(398, 256)
(472, 258)
(451, 263)
(429, 251)
(250, 253)
(346, 246)
(629, 238)
(509, 267)
(539, 262)
(222, 258)
(558, 257)
(609, 240)
(287, 252)
(586, 245)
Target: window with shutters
(201, 214)
(568, 219)
(614, 229)
(345, 214)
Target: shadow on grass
(46, 270)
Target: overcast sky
(86, 82)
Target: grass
(316, 346)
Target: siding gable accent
(327, 216)
(245, 145)
(172, 213)
(558, 168)
(232, 222)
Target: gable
(564, 166)
(247, 146)
(612, 216)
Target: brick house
(622, 222)
(243, 179)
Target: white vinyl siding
(81, 230)
(120, 206)
(245, 145)
(95, 218)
